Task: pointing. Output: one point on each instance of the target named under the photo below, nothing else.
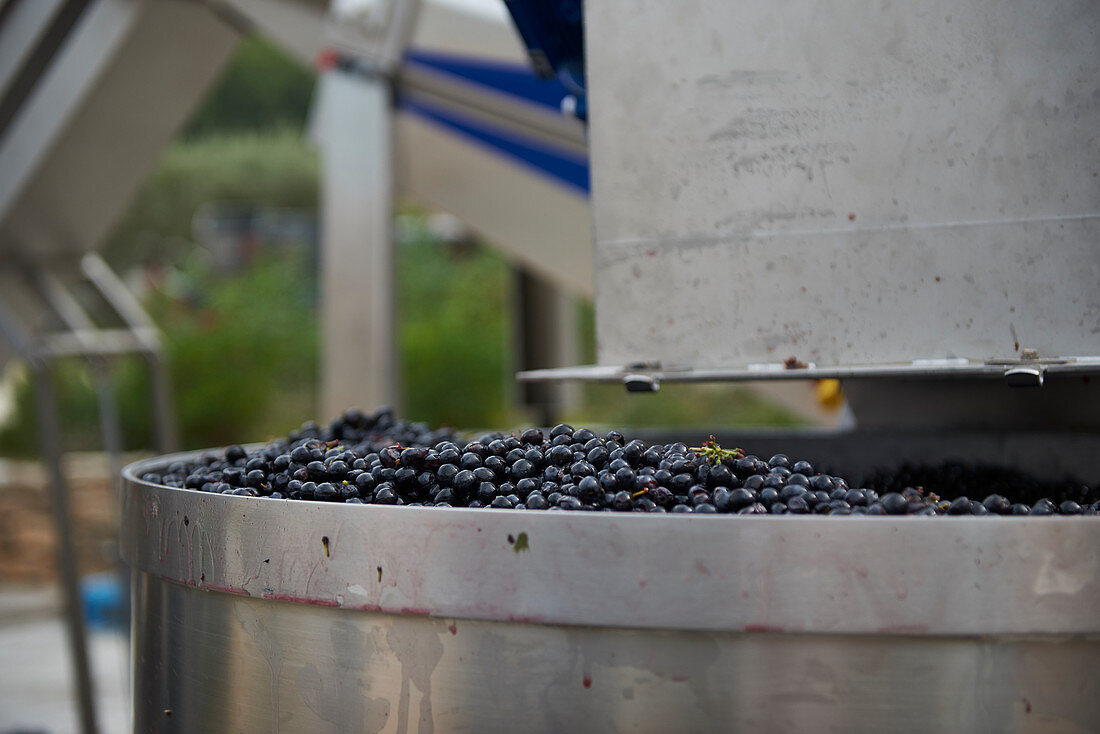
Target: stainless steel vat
(273, 615)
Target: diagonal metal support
(130, 311)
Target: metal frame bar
(144, 332)
(379, 34)
(49, 435)
(355, 129)
(22, 26)
(358, 364)
(960, 368)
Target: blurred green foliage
(708, 406)
(275, 169)
(454, 333)
(242, 350)
(261, 88)
(76, 395)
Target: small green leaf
(521, 543)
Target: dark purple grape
(960, 506)
(798, 505)
(741, 497)
(791, 490)
(588, 490)
(570, 503)
(1043, 507)
(369, 458)
(1069, 507)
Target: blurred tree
(277, 168)
(261, 88)
(242, 350)
(453, 329)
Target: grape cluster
(959, 480)
(377, 459)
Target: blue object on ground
(103, 600)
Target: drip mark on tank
(296, 599)
(324, 542)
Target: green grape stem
(712, 453)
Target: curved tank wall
(271, 615)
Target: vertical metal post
(129, 309)
(49, 428)
(164, 420)
(111, 428)
(109, 423)
(357, 306)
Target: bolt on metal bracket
(1024, 376)
(641, 383)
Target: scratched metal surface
(213, 662)
(844, 184)
(287, 616)
(923, 576)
